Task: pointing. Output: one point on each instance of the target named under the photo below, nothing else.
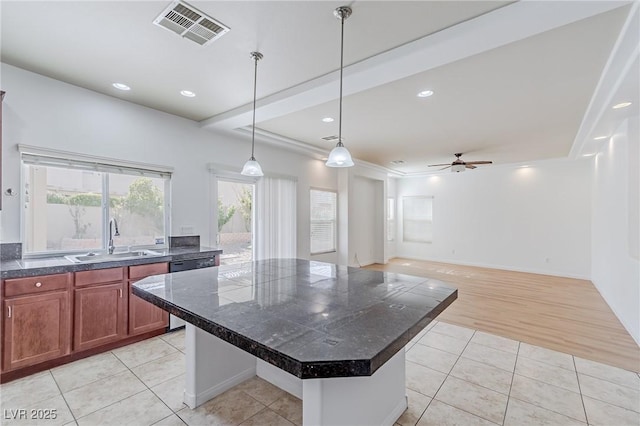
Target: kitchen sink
(105, 257)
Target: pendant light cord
(253, 126)
(341, 68)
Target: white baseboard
(194, 401)
(397, 411)
(279, 378)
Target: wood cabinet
(53, 319)
(37, 320)
(100, 308)
(144, 316)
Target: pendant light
(340, 156)
(252, 167)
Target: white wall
(368, 210)
(43, 112)
(391, 245)
(534, 219)
(616, 205)
(352, 183)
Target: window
(391, 219)
(68, 205)
(417, 219)
(324, 212)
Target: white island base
(215, 366)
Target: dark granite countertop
(311, 319)
(55, 265)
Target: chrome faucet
(112, 224)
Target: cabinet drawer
(99, 276)
(31, 285)
(142, 271)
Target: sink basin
(105, 257)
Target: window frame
(428, 223)
(391, 219)
(166, 173)
(335, 228)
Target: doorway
(235, 221)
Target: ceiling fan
(460, 166)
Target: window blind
(417, 219)
(323, 221)
(52, 158)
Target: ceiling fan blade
(445, 168)
(439, 165)
(469, 166)
(479, 162)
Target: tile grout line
(584, 408)
(137, 393)
(150, 390)
(513, 375)
(62, 395)
(473, 360)
(445, 379)
(106, 406)
(165, 418)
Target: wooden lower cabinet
(144, 316)
(62, 315)
(36, 328)
(100, 315)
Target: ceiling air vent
(331, 138)
(190, 23)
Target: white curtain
(275, 224)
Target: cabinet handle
(120, 293)
(9, 308)
(38, 284)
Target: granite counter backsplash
(10, 251)
(184, 241)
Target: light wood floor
(563, 314)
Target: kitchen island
(331, 335)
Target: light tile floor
(455, 376)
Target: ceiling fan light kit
(252, 167)
(340, 155)
(460, 166)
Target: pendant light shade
(252, 167)
(340, 156)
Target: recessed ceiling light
(591, 154)
(425, 93)
(188, 93)
(599, 138)
(327, 119)
(525, 166)
(121, 86)
(621, 105)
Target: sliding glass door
(235, 221)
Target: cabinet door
(144, 316)
(36, 328)
(100, 315)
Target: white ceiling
(512, 81)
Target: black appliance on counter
(186, 265)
